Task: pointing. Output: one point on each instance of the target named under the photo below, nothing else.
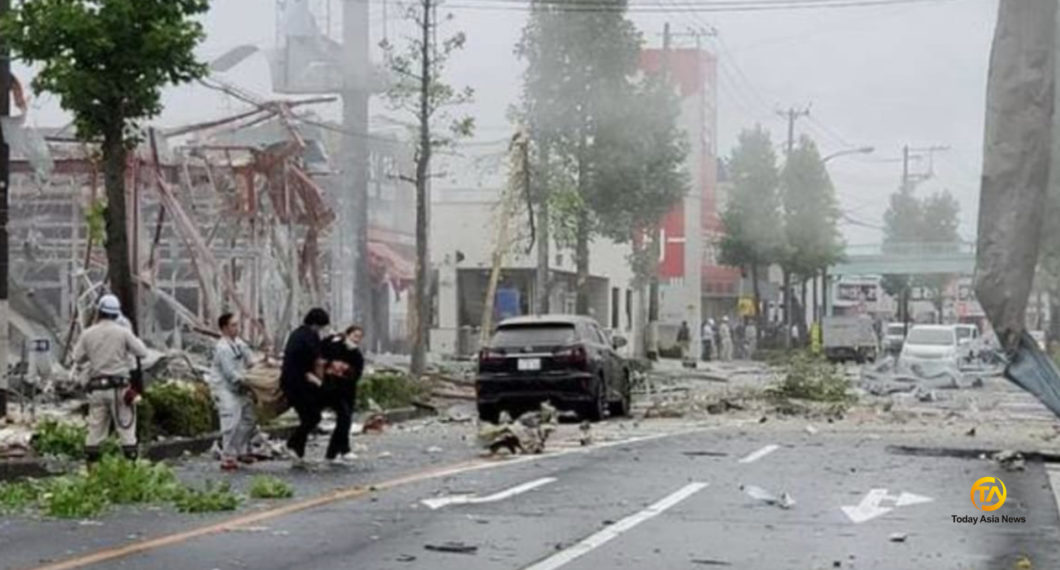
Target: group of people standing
(320, 371)
(723, 342)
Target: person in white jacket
(231, 359)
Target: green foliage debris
(52, 437)
(269, 487)
(811, 378)
(210, 499)
(388, 389)
(176, 409)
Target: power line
(600, 6)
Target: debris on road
(433, 449)
(1009, 460)
(785, 501)
(704, 454)
(406, 558)
(526, 435)
(705, 562)
(586, 437)
(898, 537)
(970, 433)
(453, 547)
(811, 430)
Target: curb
(968, 453)
(15, 469)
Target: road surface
(665, 497)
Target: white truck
(849, 338)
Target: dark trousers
(307, 405)
(339, 396)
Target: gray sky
(881, 76)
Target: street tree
(811, 217)
(107, 61)
(752, 218)
(419, 90)
(901, 225)
(580, 70)
(939, 224)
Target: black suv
(564, 359)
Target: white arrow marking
(907, 499)
(869, 507)
(473, 500)
(760, 454)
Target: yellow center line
(339, 495)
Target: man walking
(684, 337)
(106, 349)
(300, 378)
(231, 359)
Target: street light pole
(822, 309)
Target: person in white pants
(107, 350)
(231, 359)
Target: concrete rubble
(528, 434)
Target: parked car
(894, 338)
(563, 359)
(930, 349)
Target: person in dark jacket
(345, 365)
(301, 378)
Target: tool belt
(106, 383)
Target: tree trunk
(420, 302)
(543, 234)
(119, 270)
(803, 330)
(653, 278)
(581, 255)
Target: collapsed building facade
(235, 215)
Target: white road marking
(869, 507)
(760, 454)
(597, 540)
(1054, 481)
(440, 502)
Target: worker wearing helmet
(105, 350)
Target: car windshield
(551, 334)
(963, 333)
(931, 337)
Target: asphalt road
(659, 502)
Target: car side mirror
(618, 342)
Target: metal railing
(911, 250)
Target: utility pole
(5, 180)
(792, 115)
(356, 92)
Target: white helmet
(110, 305)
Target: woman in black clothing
(345, 364)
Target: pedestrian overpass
(907, 259)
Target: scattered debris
(811, 430)
(454, 547)
(722, 406)
(898, 537)
(374, 424)
(1023, 563)
(704, 454)
(785, 501)
(385, 455)
(527, 435)
(926, 396)
(1009, 460)
(586, 437)
(406, 558)
(970, 433)
(433, 449)
(706, 562)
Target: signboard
(747, 307)
(857, 294)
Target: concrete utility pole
(792, 115)
(5, 179)
(356, 92)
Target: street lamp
(862, 150)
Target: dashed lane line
(760, 453)
(609, 533)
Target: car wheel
(622, 407)
(595, 410)
(488, 413)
